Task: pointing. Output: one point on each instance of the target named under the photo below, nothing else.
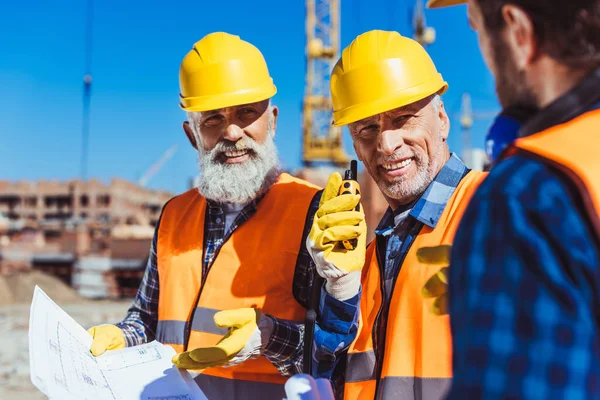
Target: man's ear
(190, 134)
(275, 111)
(444, 122)
(520, 35)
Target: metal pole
(87, 89)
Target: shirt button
(218, 220)
(393, 254)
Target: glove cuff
(265, 326)
(345, 287)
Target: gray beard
(238, 183)
(405, 189)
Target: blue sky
(137, 48)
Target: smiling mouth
(397, 165)
(235, 156)
(235, 153)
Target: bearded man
(218, 285)
(525, 274)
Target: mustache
(227, 145)
(397, 155)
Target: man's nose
(233, 133)
(389, 141)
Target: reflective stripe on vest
(254, 268)
(215, 387)
(173, 332)
(417, 360)
(571, 148)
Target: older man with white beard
(225, 255)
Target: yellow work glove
(106, 337)
(335, 221)
(249, 333)
(437, 286)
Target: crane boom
(143, 181)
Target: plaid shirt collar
(216, 206)
(429, 207)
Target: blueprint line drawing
(78, 373)
(128, 358)
(63, 368)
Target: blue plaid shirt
(525, 280)
(394, 236)
(285, 347)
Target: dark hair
(567, 30)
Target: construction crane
(87, 88)
(143, 181)
(321, 141)
(422, 33)
(466, 119)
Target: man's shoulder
(298, 183)
(291, 189)
(183, 200)
(528, 184)
(519, 174)
(188, 195)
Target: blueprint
(62, 367)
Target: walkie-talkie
(350, 186)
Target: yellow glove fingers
(438, 255)
(339, 233)
(184, 361)
(98, 347)
(344, 202)
(349, 218)
(106, 337)
(332, 188)
(236, 318)
(227, 347)
(235, 342)
(440, 305)
(436, 285)
(209, 355)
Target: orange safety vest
(570, 148)
(254, 268)
(417, 361)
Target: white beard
(243, 182)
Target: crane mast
(321, 141)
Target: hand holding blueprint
(62, 367)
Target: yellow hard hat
(444, 3)
(223, 71)
(380, 71)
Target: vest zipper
(377, 321)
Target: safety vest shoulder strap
(572, 148)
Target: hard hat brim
(215, 102)
(444, 3)
(405, 97)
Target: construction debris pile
(17, 288)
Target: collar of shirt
(575, 102)
(429, 207)
(227, 207)
(244, 212)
